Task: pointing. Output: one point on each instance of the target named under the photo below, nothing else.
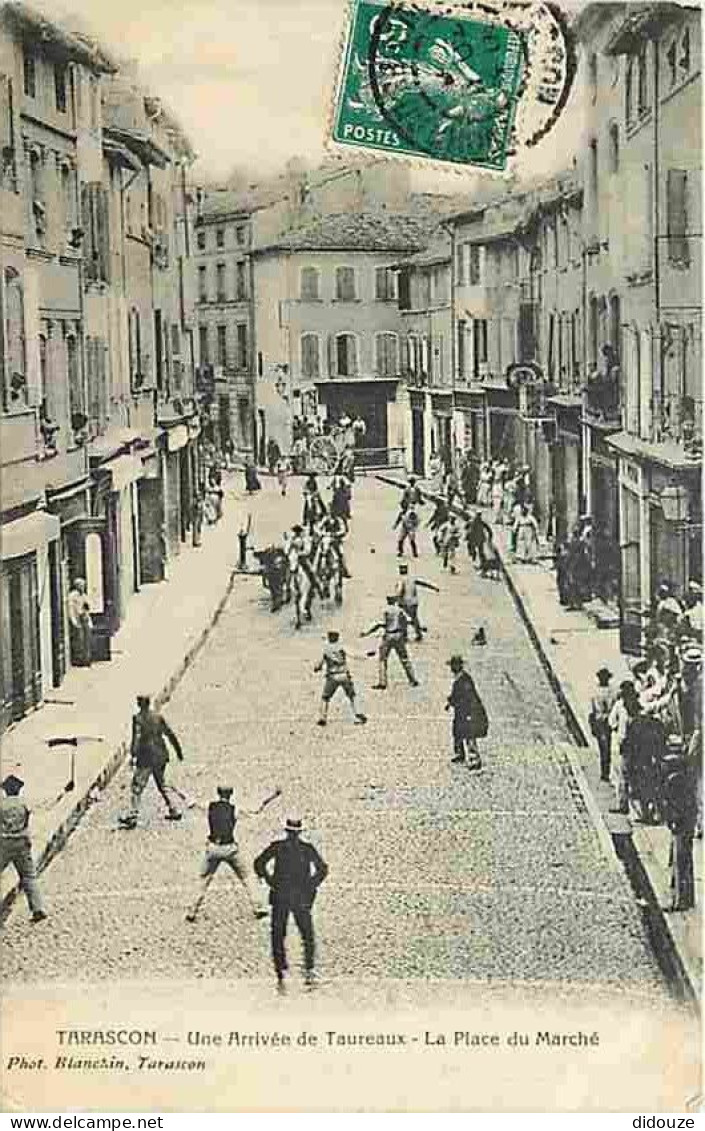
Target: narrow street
(436, 875)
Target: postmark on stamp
(468, 84)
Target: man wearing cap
(16, 845)
(222, 849)
(601, 704)
(394, 631)
(334, 662)
(408, 597)
(469, 715)
(150, 757)
(293, 870)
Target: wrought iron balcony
(678, 419)
(601, 399)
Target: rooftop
(358, 231)
(57, 39)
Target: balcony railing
(678, 419)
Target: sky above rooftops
(251, 83)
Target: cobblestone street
(436, 874)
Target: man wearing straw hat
(16, 845)
(294, 871)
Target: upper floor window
(677, 216)
(240, 281)
(672, 63)
(345, 284)
(7, 135)
(614, 148)
(629, 92)
(310, 356)
(202, 285)
(220, 282)
(60, 76)
(242, 346)
(343, 359)
(222, 339)
(68, 196)
(220, 237)
(29, 74)
(460, 265)
(201, 239)
(385, 284)
(134, 345)
(592, 77)
(241, 234)
(475, 265)
(386, 355)
(309, 289)
(93, 102)
(203, 346)
(642, 90)
(12, 341)
(684, 61)
(96, 239)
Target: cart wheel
(323, 455)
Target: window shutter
(87, 225)
(352, 355)
(379, 354)
(332, 356)
(393, 343)
(6, 131)
(102, 219)
(404, 355)
(677, 218)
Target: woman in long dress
(526, 530)
(484, 491)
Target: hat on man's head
(603, 674)
(403, 567)
(455, 663)
(391, 598)
(225, 790)
(692, 655)
(143, 700)
(12, 784)
(297, 528)
(293, 825)
(333, 634)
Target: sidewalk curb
(622, 850)
(619, 850)
(72, 819)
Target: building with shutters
(49, 105)
(98, 425)
(328, 325)
(643, 184)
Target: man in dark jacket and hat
(294, 871)
(16, 845)
(469, 715)
(150, 757)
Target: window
(642, 93)
(629, 93)
(309, 289)
(7, 136)
(385, 284)
(222, 346)
(68, 198)
(43, 377)
(134, 345)
(554, 236)
(404, 286)
(30, 75)
(614, 148)
(593, 172)
(220, 237)
(461, 349)
(684, 61)
(592, 77)
(240, 281)
(474, 267)
(220, 282)
(16, 393)
(96, 239)
(345, 284)
(36, 192)
(96, 382)
(677, 216)
(60, 74)
(343, 360)
(75, 384)
(387, 351)
(479, 332)
(93, 102)
(460, 265)
(202, 284)
(242, 357)
(672, 63)
(310, 356)
(241, 234)
(203, 346)
(201, 239)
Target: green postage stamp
(430, 83)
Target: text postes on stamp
(463, 85)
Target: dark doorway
(58, 640)
(262, 439)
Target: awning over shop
(123, 471)
(27, 534)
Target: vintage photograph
(351, 536)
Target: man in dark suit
(150, 757)
(294, 878)
(469, 715)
